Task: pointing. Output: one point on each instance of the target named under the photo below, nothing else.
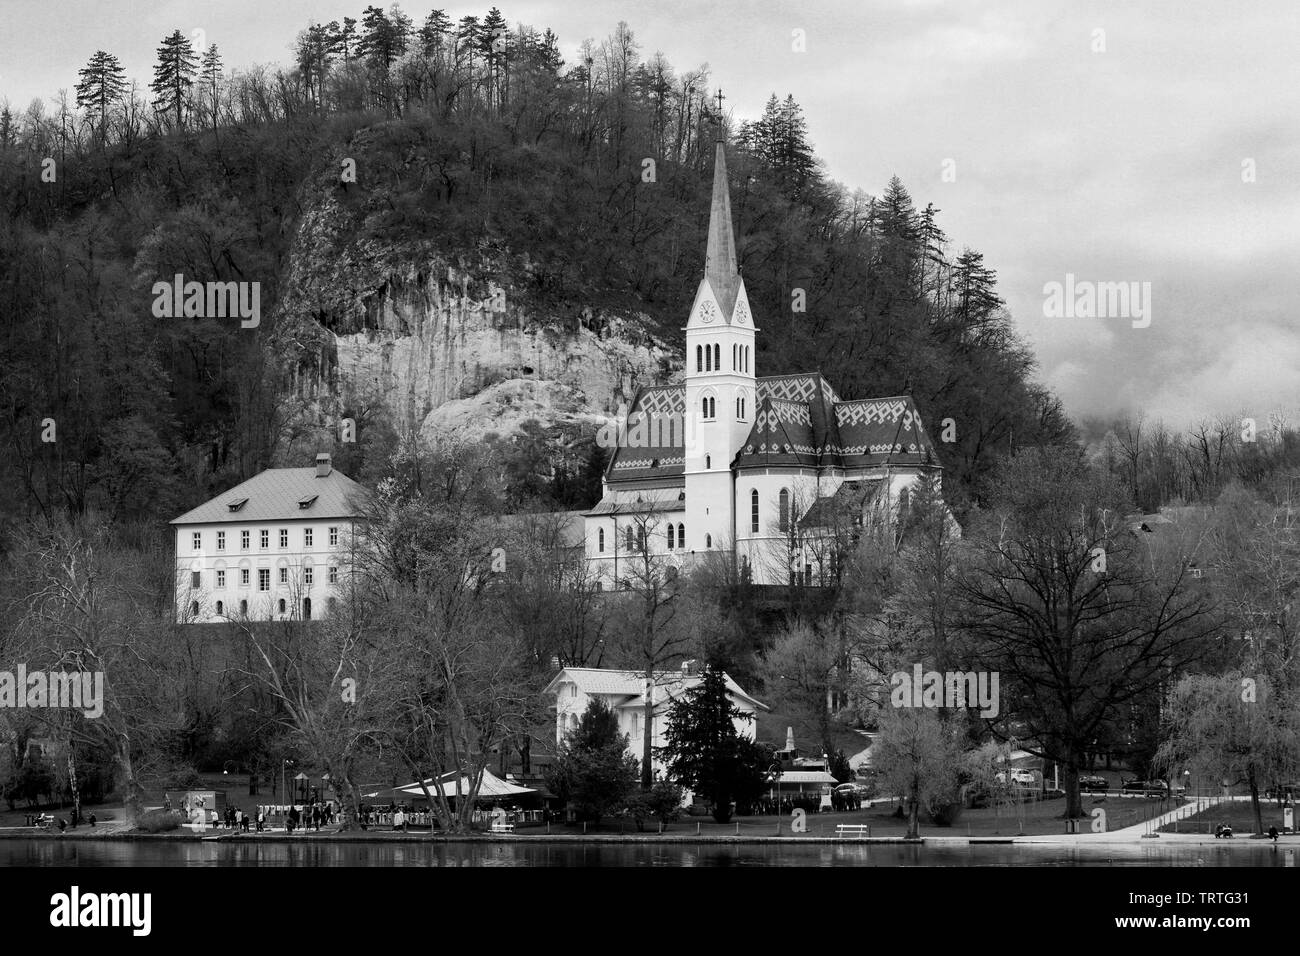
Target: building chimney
(323, 465)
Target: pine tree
(704, 751)
(343, 40)
(103, 81)
(210, 73)
(173, 76)
(493, 40)
(433, 34)
(593, 772)
(974, 292)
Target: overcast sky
(1122, 165)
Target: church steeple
(720, 257)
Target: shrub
(158, 821)
(183, 778)
(662, 802)
(945, 814)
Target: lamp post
(775, 771)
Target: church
(769, 479)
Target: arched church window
(708, 462)
(708, 541)
(699, 358)
(784, 516)
(717, 357)
(708, 358)
(681, 536)
(735, 354)
(600, 540)
(753, 511)
(672, 536)
(629, 543)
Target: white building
(732, 464)
(272, 548)
(623, 691)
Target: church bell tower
(720, 383)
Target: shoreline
(1063, 841)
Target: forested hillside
(472, 139)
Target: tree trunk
(1254, 799)
(72, 781)
(914, 812)
(1070, 782)
(131, 804)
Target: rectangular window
(264, 579)
(334, 537)
(264, 538)
(196, 579)
(334, 575)
(243, 540)
(284, 575)
(243, 577)
(753, 515)
(221, 541)
(284, 537)
(198, 540)
(221, 578)
(308, 575)
(307, 537)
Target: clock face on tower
(742, 312)
(708, 312)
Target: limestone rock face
(450, 344)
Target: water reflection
(43, 852)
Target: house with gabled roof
(624, 692)
(274, 547)
(731, 463)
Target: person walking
(92, 818)
(261, 819)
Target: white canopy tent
(491, 787)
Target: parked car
(1019, 778)
(1091, 783)
(1151, 787)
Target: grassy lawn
(1239, 815)
(1039, 818)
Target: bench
(853, 829)
(503, 828)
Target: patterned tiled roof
(799, 421)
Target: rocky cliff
(449, 341)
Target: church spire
(720, 258)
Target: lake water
(45, 852)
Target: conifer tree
(173, 76)
(210, 76)
(705, 752)
(103, 81)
